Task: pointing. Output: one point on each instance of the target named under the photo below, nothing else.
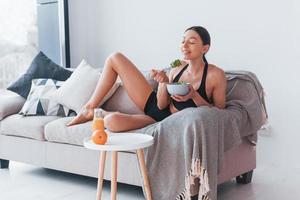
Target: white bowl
(178, 88)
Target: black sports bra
(201, 90)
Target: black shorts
(153, 111)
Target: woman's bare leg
(119, 122)
(133, 80)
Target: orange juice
(98, 124)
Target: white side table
(121, 142)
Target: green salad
(180, 83)
(175, 63)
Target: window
(18, 38)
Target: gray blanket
(189, 145)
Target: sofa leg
(245, 178)
(4, 164)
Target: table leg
(114, 169)
(141, 158)
(101, 174)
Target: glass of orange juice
(98, 123)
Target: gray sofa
(45, 141)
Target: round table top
(121, 142)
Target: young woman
(207, 86)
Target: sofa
(47, 142)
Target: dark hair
(204, 35)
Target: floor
(271, 181)
(32, 183)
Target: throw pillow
(39, 103)
(41, 67)
(78, 89)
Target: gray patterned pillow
(41, 67)
(38, 101)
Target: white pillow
(78, 89)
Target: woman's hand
(186, 97)
(159, 76)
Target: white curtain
(18, 38)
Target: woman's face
(192, 46)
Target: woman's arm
(162, 94)
(218, 93)
(219, 90)
(163, 98)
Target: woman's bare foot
(85, 115)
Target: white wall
(260, 36)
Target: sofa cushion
(57, 131)
(29, 126)
(10, 103)
(41, 67)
